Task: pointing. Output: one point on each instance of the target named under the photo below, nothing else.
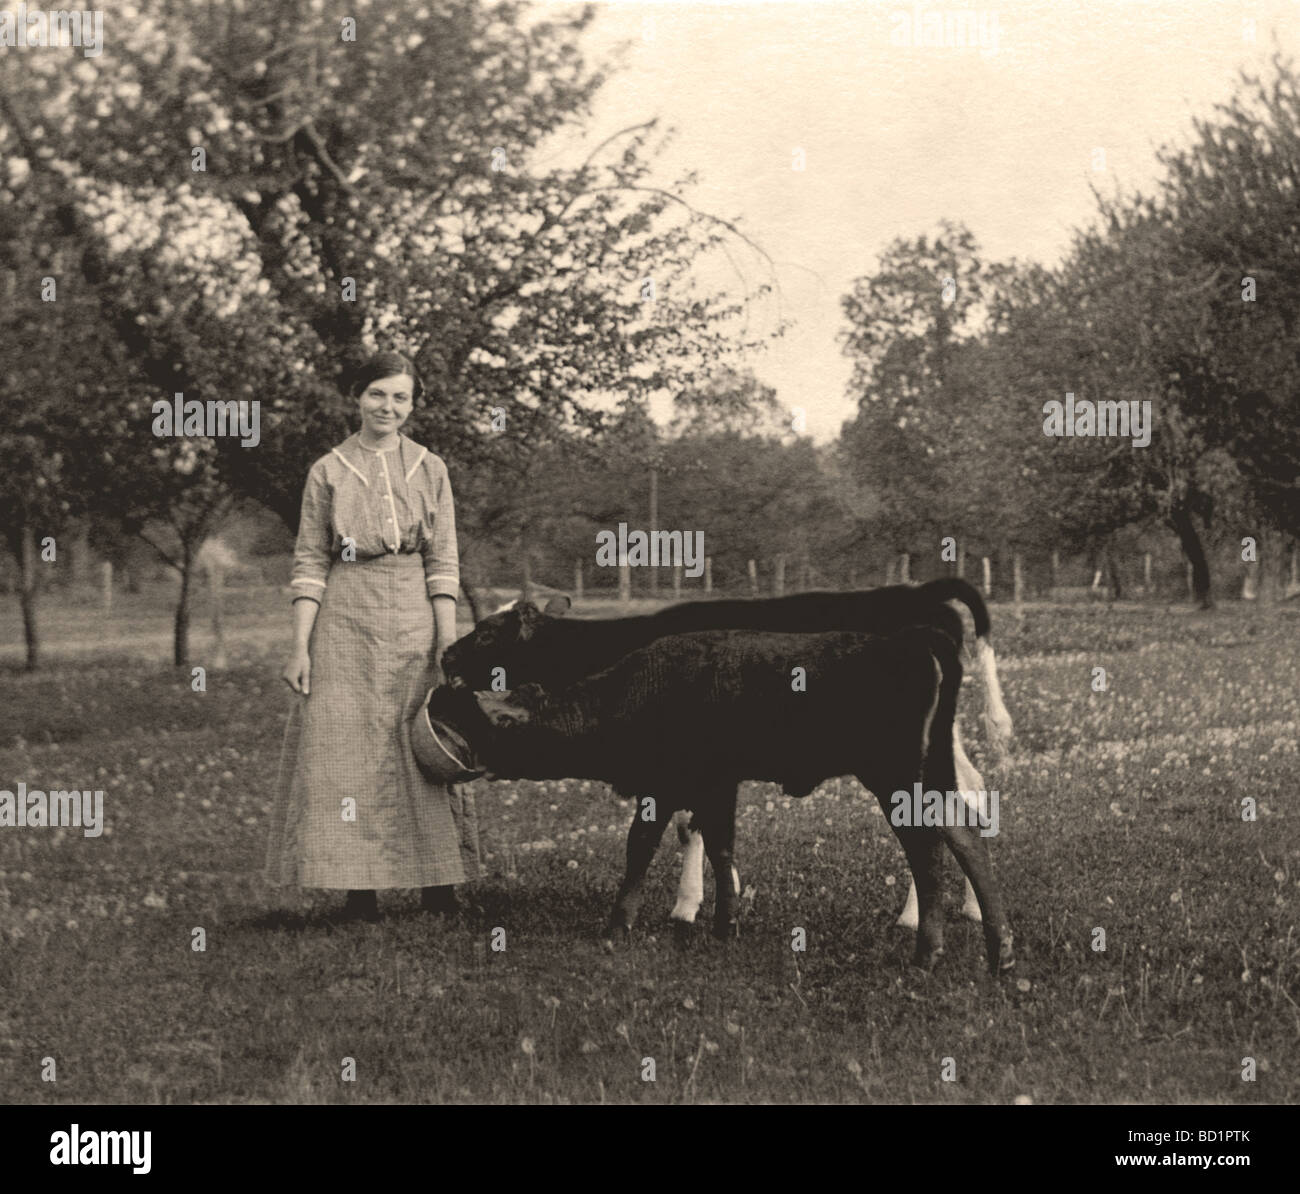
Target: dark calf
(531, 646)
(687, 718)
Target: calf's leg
(717, 823)
(973, 855)
(969, 781)
(690, 887)
(924, 850)
(642, 842)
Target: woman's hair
(385, 364)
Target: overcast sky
(1000, 137)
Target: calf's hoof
(726, 930)
(616, 932)
(925, 956)
(683, 933)
(1002, 957)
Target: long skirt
(352, 808)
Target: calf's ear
(529, 618)
(558, 606)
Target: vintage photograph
(650, 552)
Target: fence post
(988, 577)
(1056, 570)
(778, 582)
(625, 583)
(905, 569)
(1146, 575)
(577, 579)
(106, 586)
(753, 578)
(677, 582)
(891, 572)
(1018, 580)
(708, 574)
(961, 559)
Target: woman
(375, 578)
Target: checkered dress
(352, 809)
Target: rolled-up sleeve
(311, 554)
(441, 559)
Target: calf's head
(505, 640)
(461, 734)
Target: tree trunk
(654, 525)
(181, 627)
(1181, 520)
(1272, 567)
(79, 555)
(217, 594)
(1112, 570)
(526, 588)
(29, 585)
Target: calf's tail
(997, 720)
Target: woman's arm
(311, 564)
(444, 627)
(442, 567)
(297, 672)
(441, 559)
(311, 553)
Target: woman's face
(386, 404)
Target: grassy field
(1121, 810)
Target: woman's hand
(297, 672)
